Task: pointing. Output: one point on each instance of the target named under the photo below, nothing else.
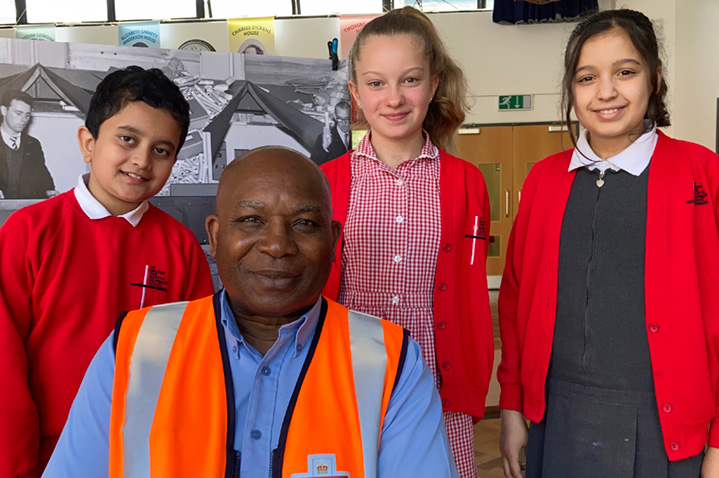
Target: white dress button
(395, 300)
(400, 182)
(399, 219)
(398, 258)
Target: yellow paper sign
(252, 36)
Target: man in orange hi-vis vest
(266, 378)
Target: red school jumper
(64, 281)
(463, 325)
(681, 280)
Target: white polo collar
(94, 208)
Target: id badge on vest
(321, 466)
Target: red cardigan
(681, 282)
(463, 324)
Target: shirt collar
(429, 150)
(634, 159)
(303, 328)
(94, 208)
(7, 138)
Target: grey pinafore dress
(601, 418)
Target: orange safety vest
(173, 400)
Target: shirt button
(441, 325)
(399, 182)
(674, 446)
(399, 219)
(398, 258)
(446, 365)
(395, 300)
(447, 247)
(299, 347)
(667, 408)
(256, 434)
(266, 371)
(654, 328)
(442, 286)
(445, 402)
(234, 349)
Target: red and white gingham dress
(389, 257)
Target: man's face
(343, 116)
(16, 116)
(273, 237)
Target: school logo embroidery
(322, 466)
(478, 229)
(154, 278)
(700, 196)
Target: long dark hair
(640, 31)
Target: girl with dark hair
(608, 308)
(416, 218)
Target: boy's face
(132, 156)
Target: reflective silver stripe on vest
(369, 365)
(147, 371)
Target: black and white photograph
(237, 102)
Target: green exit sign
(515, 102)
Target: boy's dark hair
(640, 31)
(137, 84)
(10, 95)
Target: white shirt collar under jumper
(10, 140)
(634, 159)
(94, 208)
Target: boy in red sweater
(73, 263)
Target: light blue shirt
(413, 440)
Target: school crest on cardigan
(153, 278)
(700, 196)
(321, 466)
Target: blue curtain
(541, 11)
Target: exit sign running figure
(515, 102)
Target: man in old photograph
(23, 174)
(335, 139)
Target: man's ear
(212, 224)
(86, 143)
(3, 111)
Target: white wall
(506, 60)
(697, 72)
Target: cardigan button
(667, 408)
(442, 286)
(674, 446)
(447, 247)
(446, 365)
(445, 402)
(654, 328)
(441, 325)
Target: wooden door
(532, 143)
(490, 148)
